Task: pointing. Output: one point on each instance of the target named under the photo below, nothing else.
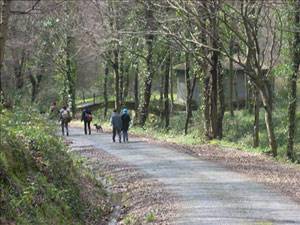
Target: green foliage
(38, 180)
(175, 134)
(150, 217)
(237, 130)
(130, 220)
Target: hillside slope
(39, 182)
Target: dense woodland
(125, 53)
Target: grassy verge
(237, 131)
(40, 183)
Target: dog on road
(98, 128)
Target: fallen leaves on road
(143, 199)
(280, 176)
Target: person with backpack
(65, 118)
(87, 118)
(116, 123)
(125, 124)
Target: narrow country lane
(207, 192)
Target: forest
(237, 58)
(217, 72)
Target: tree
(4, 16)
(105, 96)
(216, 91)
(256, 118)
(149, 38)
(257, 57)
(35, 82)
(293, 82)
(70, 52)
(166, 88)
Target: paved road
(208, 193)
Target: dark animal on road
(98, 128)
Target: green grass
(91, 100)
(150, 217)
(154, 96)
(39, 182)
(130, 220)
(175, 134)
(98, 99)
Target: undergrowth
(39, 181)
(237, 131)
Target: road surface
(208, 193)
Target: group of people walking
(120, 122)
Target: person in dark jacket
(116, 123)
(125, 124)
(87, 117)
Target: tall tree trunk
(121, 78)
(190, 86)
(149, 62)
(214, 94)
(4, 16)
(171, 83)
(188, 92)
(70, 74)
(204, 65)
(269, 118)
(70, 63)
(231, 77)
(293, 84)
(136, 89)
(18, 68)
(126, 86)
(114, 26)
(206, 105)
(166, 90)
(237, 98)
(117, 78)
(35, 85)
(221, 109)
(106, 71)
(214, 71)
(161, 94)
(147, 85)
(206, 98)
(256, 118)
(250, 99)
